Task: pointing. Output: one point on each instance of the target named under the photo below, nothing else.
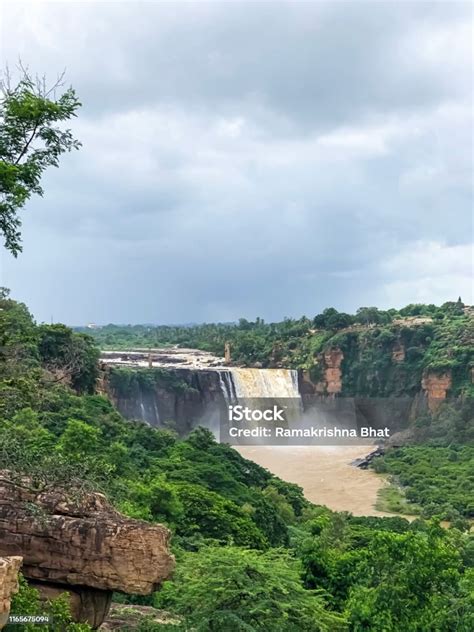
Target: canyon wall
(432, 390)
(180, 398)
(183, 398)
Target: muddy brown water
(325, 473)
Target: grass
(391, 499)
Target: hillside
(252, 554)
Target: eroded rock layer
(83, 542)
(436, 388)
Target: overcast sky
(249, 159)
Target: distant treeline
(433, 338)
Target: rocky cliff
(180, 398)
(9, 568)
(436, 388)
(80, 545)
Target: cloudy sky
(249, 159)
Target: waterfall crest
(265, 383)
(259, 384)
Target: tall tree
(30, 141)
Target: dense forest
(252, 553)
(433, 338)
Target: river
(324, 473)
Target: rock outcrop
(82, 544)
(364, 462)
(130, 617)
(436, 388)
(333, 373)
(398, 353)
(9, 568)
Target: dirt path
(324, 473)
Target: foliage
(128, 382)
(439, 479)
(30, 141)
(227, 588)
(27, 602)
(69, 356)
(386, 580)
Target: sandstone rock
(436, 388)
(9, 567)
(333, 373)
(330, 382)
(82, 542)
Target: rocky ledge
(81, 545)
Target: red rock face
(333, 372)
(436, 388)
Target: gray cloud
(250, 159)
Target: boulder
(131, 617)
(364, 462)
(80, 544)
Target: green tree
(27, 602)
(241, 590)
(79, 439)
(30, 141)
(69, 357)
(407, 582)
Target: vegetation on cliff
(385, 353)
(27, 603)
(129, 382)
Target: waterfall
(261, 389)
(227, 386)
(157, 414)
(256, 384)
(265, 383)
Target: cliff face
(330, 382)
(433, 387)
(332, 371)
(182, 396)
(429, 392)
(436, 388)
(9, 568)
(81, 546)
